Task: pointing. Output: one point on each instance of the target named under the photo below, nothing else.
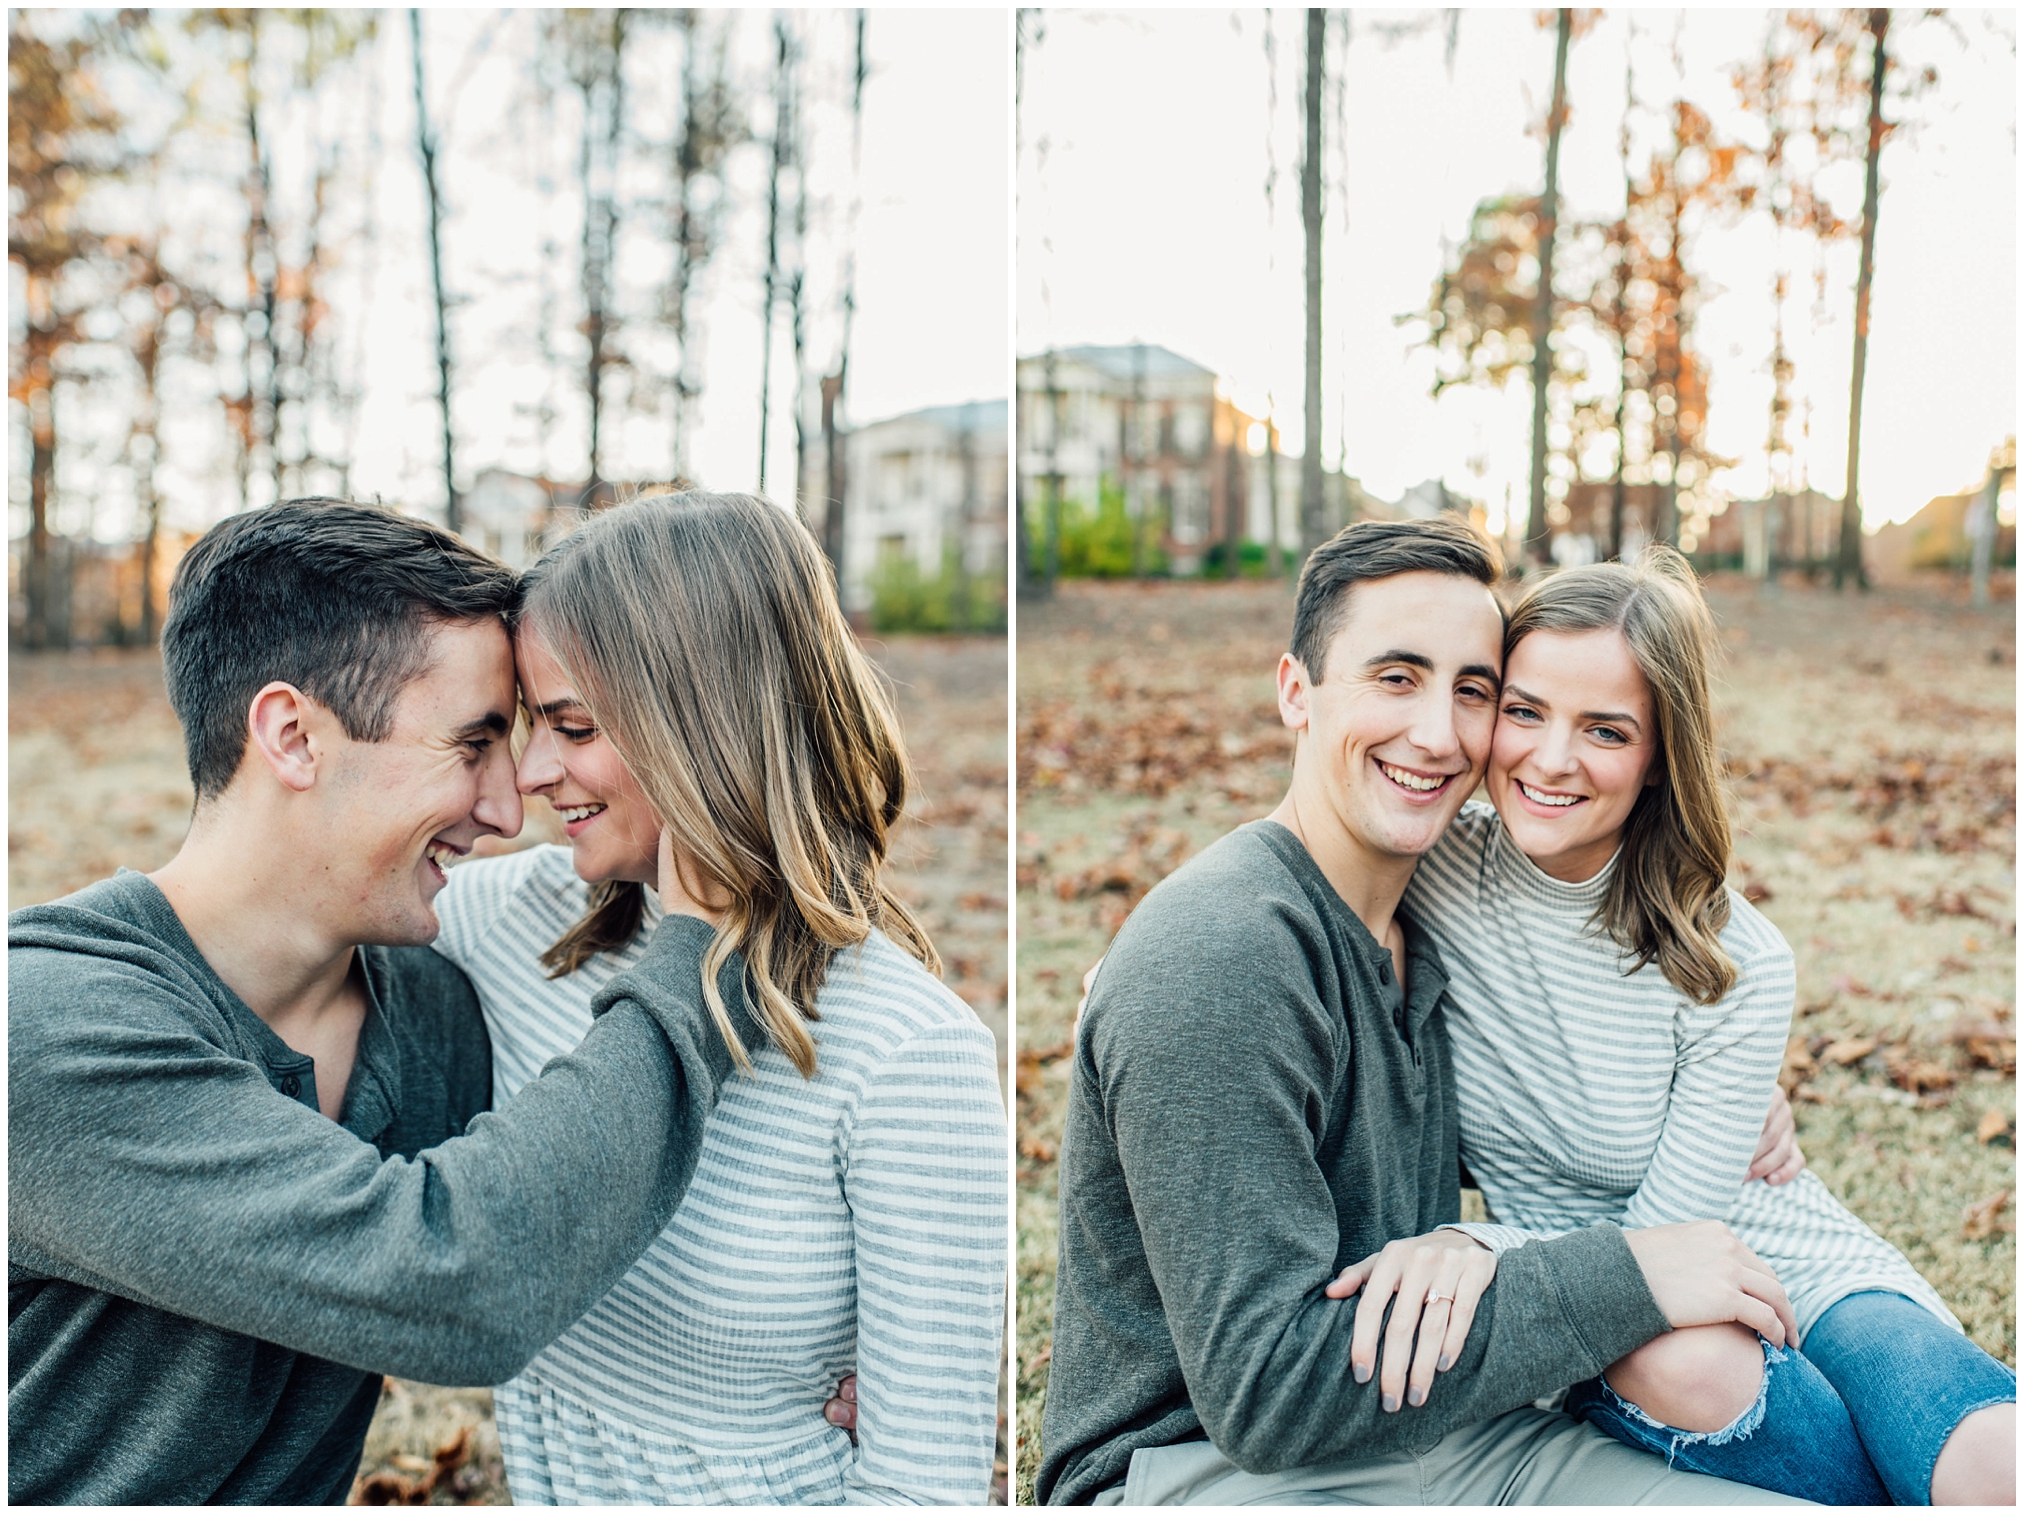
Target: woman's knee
(1700, 1379)
(1978, 1464)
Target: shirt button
(291, 1085)
(1384, 972)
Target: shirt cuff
(1499, 1238)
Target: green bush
(903, 598)
(1095, 543)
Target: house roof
(969, 416)
(1132, 360)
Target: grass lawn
(1871, 747)
(96, 781)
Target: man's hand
(1700, 1274)
(841, 1411)
(1439, 1279)
(1778, 1159)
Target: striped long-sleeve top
(854, 1221)
(1588, 1093)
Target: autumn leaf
(1980, 1221)
(1995, 1125)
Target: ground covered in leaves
(1870, 744)
(96, 781)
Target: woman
(1618, 1018)
(702, 719)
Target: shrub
(903, 598)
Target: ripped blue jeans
(1858, 1417)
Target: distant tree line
(195, 234)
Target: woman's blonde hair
(702, 632)
(1669, 899)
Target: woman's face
(1575, 745)
(611, 827)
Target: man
(1262, 1096)
(240, 1183)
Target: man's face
(1397, 731)
(442, 778)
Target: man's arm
(1216, 1104)
(146, 1162)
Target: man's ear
(1293, 691)
(282, 728)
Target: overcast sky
(1143, 216)
(931, 241)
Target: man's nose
(1434, 732)
(498, 808)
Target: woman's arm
(925, 1180)
(1725, 1073)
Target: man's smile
(1419, 785)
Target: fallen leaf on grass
(392, 1488)
(1917, 1074)
(1798, 1067)
(1027, 1079)
(1998, 1052)
(1756, 892)
(1841, 1053)
(1046, 1355)
(1036, 1150)
(1995, 1125)
(1980, 1221)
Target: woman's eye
(1610, 735)
(576, 733)
(1521, 712)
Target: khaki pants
(1525, 1457)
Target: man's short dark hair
(338, 599)
(1379, 549)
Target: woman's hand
(841, 1411)
(1439, 1279)
(1778, 1159)
(682, 889)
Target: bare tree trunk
(36, 630)
(833, 443)
(1051, 558)
(425, 143)
(1275, 556)
(688, 159)
(262, 269)
(1982, 536)
(146, 430)
(1137, 429)
(783, 138)
(1233, 507)
(1310, 217)
(1537, 537)
(1848, 560)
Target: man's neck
(255, 916)
(1371, 883)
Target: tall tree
(1310, 218)
(711, 127)
(1536, 535)
(60, 134)
(1026, 582)
(425, 144)
(836, 483)
(782, 161)
(594, 43)
(1848, 563)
